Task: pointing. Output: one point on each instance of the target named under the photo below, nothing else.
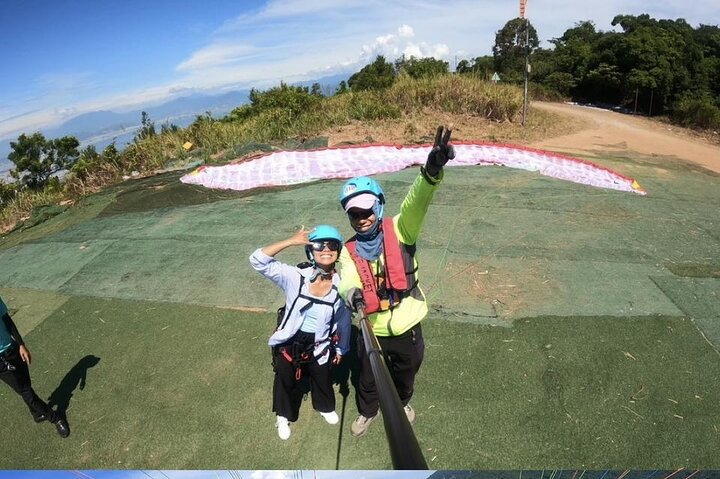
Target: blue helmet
(323, 233)
(359, 185)
(362, 185)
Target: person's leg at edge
(19, 380)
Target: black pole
(404, 449)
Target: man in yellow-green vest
(378, 268)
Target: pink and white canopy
(294, 167)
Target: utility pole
(523, 3)
(636, 98)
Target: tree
(147, 129)
(574, 49)
(375, 76)
(480, 66)
(294, 100)
(316, 89)
(421, 68)
(561, 82)
(509, 48)
(168, 127)
(37, 159)
(653, 55)
(342, 88)
(463, 66)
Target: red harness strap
(395, 278)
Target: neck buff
(369, 245)
(321, 273)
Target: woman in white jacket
(313, 329)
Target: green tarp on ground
(570, 326)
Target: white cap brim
(364, 201)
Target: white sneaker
(410, 413)
(330, 417)
(283, 427)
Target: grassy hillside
(405, 113)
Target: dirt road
(611, 131)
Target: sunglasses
(320, 245)
(360, 214)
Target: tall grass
(21, 206)
(457, 94)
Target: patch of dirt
(564, 128)
(608, 131)
(420, 129)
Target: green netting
(305, 143)
(161, 191)
(41, 214)
(86, 209)
(601, 293)
(46, 265)
(516, 288)
(244, 149)
(498, 244)
(708, 268)
(698, 298)
(30, 307)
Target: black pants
(403, 355)
(19, 381)
(287, 395)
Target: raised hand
(300, 238)
(441, 152)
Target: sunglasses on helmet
(356, 214)
(332, 245)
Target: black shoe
(40, 418)
(62, 427)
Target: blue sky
(62, 58)
(247, 474)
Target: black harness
(300, 353)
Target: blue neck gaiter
(369, 245)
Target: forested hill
(651, 66)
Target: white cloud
(406, 31)
(392, 46)
(215, 55)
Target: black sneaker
(40, 418)
(62, 427)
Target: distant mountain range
(100, 128)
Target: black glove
(440, 153)
(355, 300)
